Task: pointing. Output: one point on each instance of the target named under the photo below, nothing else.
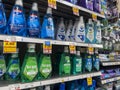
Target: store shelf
(110, 63)
(110, 80)
(48, 82)
(80, 8)
(54, 42)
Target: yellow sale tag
(89, 81)
(75, 11)
(94, 17)
(91, 50)
(52, 4)
(72, 49)
(47, 47)
(9, 47)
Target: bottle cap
(81, 19)
(19, 2)
(78, 53)
(90, 21)
(66, 49)
(49, 10)
(35, 6)
(47, 87)
(31, 45)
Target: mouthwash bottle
(61, 30)
(29, 68)
(33, 22)
(2, 66)
(65, 63)
(17, 23)
(90, 32)
(98, 36)
(80, 31)
(3, 20)
(47, 30)
(69, 30)
(13, 68)
(96, 61)
(77, 63)
(44, 66)
(87, 67)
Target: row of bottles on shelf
(43, 66)
(79, 32)
(73, 85)
(94, 5)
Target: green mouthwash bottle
(77, 63)
(65, 63)
(44, 66)
(2, 66)
(29, 67)
(13, 68)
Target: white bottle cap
(81, 19)
(49, 10)
(31, 45)
(35, 7)
(78, 53)
(19, 2)
(90, 21)
(66, 49)
(47, 87)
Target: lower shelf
(48, 81)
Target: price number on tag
(89, 81)
(94, 17)
(47, 47)
(72, 49)
(9, 47)
(52, 4)
(91, 50)
(75, 11)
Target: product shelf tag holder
(94, 17)
(9, 46)
(91, 50)
(72, 49)
(47, 47)
(52, 4)
(89, 81)
(75, 11)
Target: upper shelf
(80, 8)
(54, 42)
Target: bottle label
(2, 66)
(46, 67)
(17, 24)
(61, 33)
(50, 27)
(78, 65)
(88, 64)
(31, 68)
(14, 69)
(67, 65)
(81, 34)
(90, 33)
(98, 35)
(34, 25)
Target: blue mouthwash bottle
(3, 20)
(47, 30)
(33, 22)
(17, 23)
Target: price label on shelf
(89, 81)
(47, 47)
(94, 17)
(75, 11)
(91, 50)
(9, 47)
(72, 49)
(52, 4)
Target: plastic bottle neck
(49, 10)
(66, 49)
(35, 7)
(81, 19)
(90, 21)
(78, 53)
